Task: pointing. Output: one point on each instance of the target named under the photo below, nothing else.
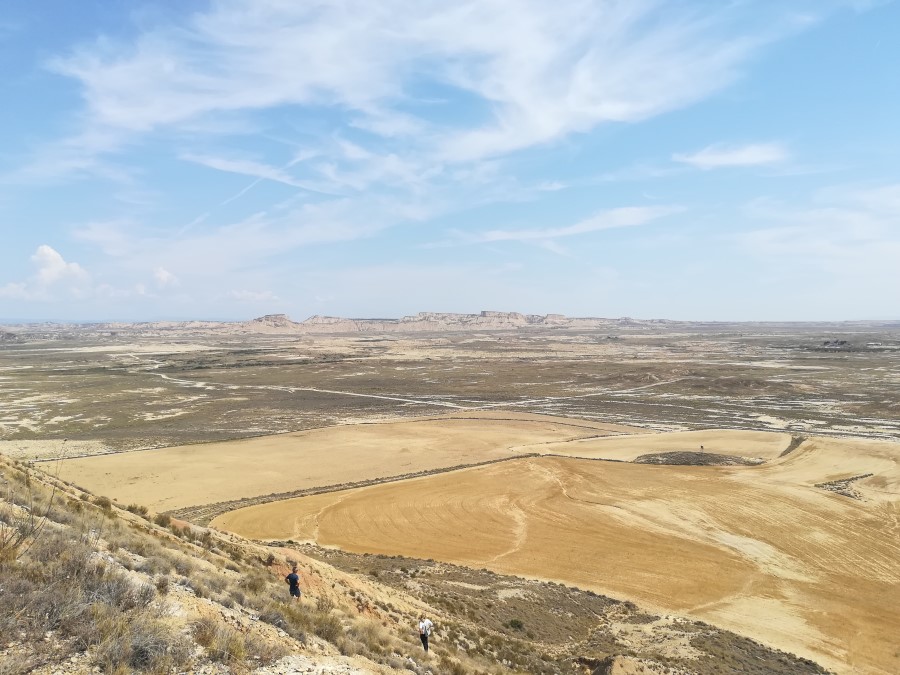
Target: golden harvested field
(759, 550)
(171, 478)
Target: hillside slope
(89, 586)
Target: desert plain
(746, 475)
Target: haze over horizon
(688, 160)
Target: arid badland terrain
(602, 494)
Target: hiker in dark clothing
(293, 580)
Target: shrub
(289, 617)
(139, 643)
(326, 626)
(255, 583)
(222, 643)
(162, 585)
(200, 590)
(162, 519)
(137, 509)
(371, 635)
(182, 565)
(452, 667)
(20, 527)
(274, 616)
(262, 651)
(103, 502)
(19, 664)
(324, 604)
(515, 624)
(216, 583)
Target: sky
(680, 159)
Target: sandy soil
(739, 443)
(758, 550)
(172, 478)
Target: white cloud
(605, 220)
(164, 278)
(51, 272)
(52, 268)
(721, 155)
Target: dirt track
(759, 550)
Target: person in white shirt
(425, 627)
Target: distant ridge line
(422, 322)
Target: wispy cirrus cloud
(258, 170)
(722, 155)
(534, 72)
(242, 245)
(605, 220)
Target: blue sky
(658, 159)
